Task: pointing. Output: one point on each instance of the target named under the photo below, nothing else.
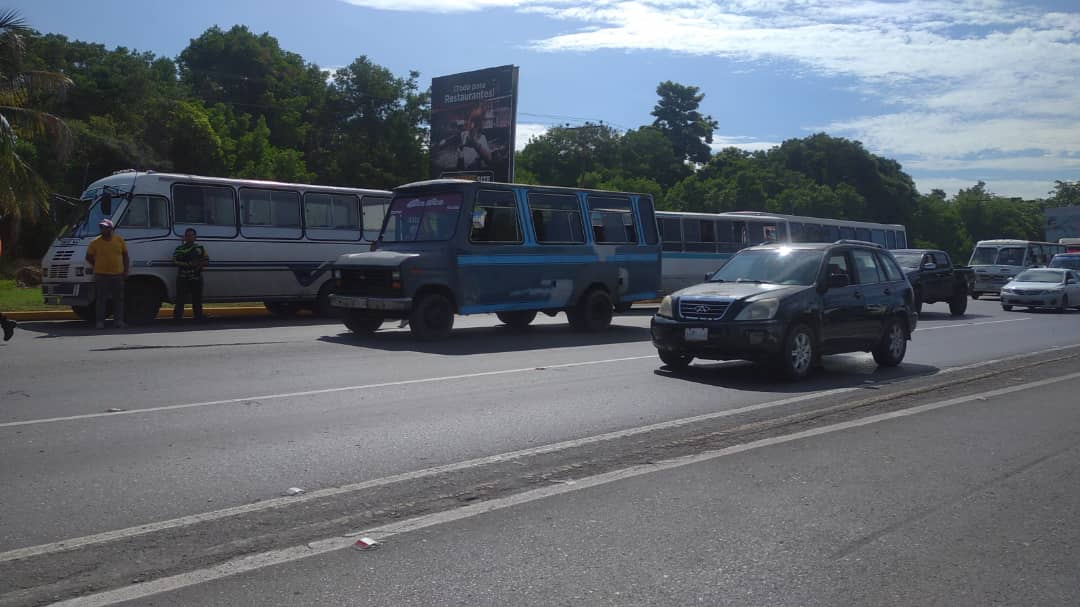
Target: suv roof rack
(863, 242)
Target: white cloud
(525, 133)
(1027, 189)
(747, 144)
(969, 79)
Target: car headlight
(665, 307)
(764, 309)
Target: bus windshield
(782, 266)
(1004, 256)
(427, 217)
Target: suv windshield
(908, 260)
(422, 217)
(782, 266)
(1040, 276)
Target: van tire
(517, 319)
(363, 322)
(282, 309)
(432, 317)
(592, 313)
(142, 301)
(892, 346)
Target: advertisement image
(473, 117)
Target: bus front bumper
(67, 293)
(355, 302)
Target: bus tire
(592, 313)
(363, 322)
(517, 319)
(282, 309)
(142, 301)
(84, 312)
(432, 317)
(322, 306)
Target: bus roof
(438, 182)
(775, 216)
(1010, 241)
(123, 180)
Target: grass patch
(18, 299)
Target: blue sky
(958, 91)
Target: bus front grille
(59, 271)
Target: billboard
(473, 117)
(1062, 222)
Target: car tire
(1064, 305)
(363, 322)
(918, 301)
(958, 305)
(1006, 307)
(517, 319)
(892, 347)
(799, 353)
(592, 313)
(675, 359)
(432, 318)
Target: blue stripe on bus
(505, 307)
(513, 260)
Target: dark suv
(790, 304)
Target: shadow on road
(75, 328)
(932, 316)
(494, 339)
(845, 371)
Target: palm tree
(22, 190)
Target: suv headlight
(764, 309)
(665, 307)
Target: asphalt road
(235, 412)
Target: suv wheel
(891, 349)
(799, 352)
(1006, 307)
(958, 305)
(675, 359)
(432, 317)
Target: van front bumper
(356, 302)
(748, 340)
(67, 293)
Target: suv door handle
(888, 291)
(858, 294)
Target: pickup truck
(935, 278)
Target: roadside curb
(162, 314)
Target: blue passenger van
(451, 247)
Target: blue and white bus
(696, 243)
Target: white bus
(267, 241)
(696, 243)
(996, 261)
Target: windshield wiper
(756, 282)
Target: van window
(611, 219)
(213, 207)
(498, 212)
(648, 219)
(146, 213)
(866, 267)
(671, 233)
(269, 213)
(556, 218)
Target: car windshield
(782, 266)
(1071, 262)
(1040, 276)
(908, 260)
(424, 217)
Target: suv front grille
(703, 309)
(372, 282)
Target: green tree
(22, 190)
(1064, 194)
(564, 155)
(678, 118)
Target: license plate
(697, 334)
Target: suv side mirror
(929, 266)
(837, 281)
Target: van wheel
(799, 353)
(84, 312)
(432, 317)
(517, 319)
(675, 359)
(282, 309)
(592, 313)
(892, 347)
(958, 305)
(363, 322)
(142, 300)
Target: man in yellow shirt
(108, 255)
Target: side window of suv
(838, 264)
(888, 265)
(942, 260)
(866, 267)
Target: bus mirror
(479, 219)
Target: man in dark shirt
(190, 258)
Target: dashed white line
(970, 324)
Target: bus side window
(671, 234)
(901, 240)
(796, 231)
(890, 239)
(556, 218)
(611, 219)
(497, 211)
(862, 234)
(877, 237)
(373, 212)
(648, 219)
(847, 233)
(812, 232)
(832, 233)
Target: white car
(1057, 288)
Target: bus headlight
(665, 307)
(764, 309)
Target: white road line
(118, 534)
(970, 324)
(246, 399)
(286, 555)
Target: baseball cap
(106, 223)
